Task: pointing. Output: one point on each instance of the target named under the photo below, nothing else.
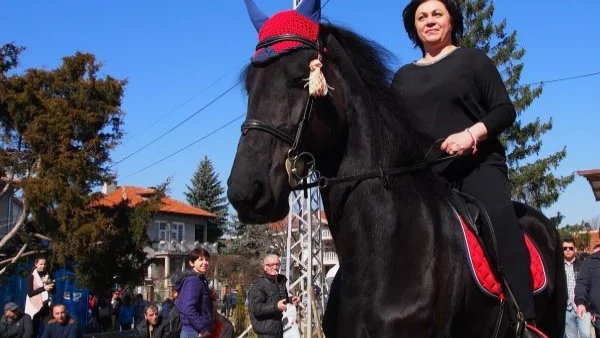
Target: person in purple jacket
(194, 303)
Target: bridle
(301, 165)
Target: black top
(454, 93)
(30, 290)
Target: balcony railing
(330, 258)
(173, 247)
(326, 235)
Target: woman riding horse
(403, 270)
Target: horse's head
(285, 125)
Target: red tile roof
(281, 225)
(135, 195)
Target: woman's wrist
(473, 140)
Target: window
(177, 231)
(163, 230)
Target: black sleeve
(582, 285)
(396, 89)
(30, 291)
(500, 110)
(260, 307)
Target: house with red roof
(172, 234)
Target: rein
(324, 182)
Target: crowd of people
(190, 310)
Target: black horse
(403, 270)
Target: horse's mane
(371, 61)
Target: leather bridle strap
(260, 126)
(287, 37)
(253, 124)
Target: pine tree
(207, 193)
(532, 179)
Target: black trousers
(490, 185)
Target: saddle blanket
(482, 271)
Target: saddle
(482, 255)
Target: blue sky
(172, 55)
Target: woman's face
(200, 265)
(41, 265)
(433, 24)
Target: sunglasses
(568, 248)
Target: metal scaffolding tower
(304, 258)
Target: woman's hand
(458, 144)
(466, 140)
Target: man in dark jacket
(153, 325)
(62, 326)
(267, 299)
(587, 287)
(574, 326)
(15, 323)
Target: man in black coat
(15, 323)
(267, 299)
(153, 325)
(587, 287)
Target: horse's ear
(310, 9)
(257, 16)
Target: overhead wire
(561, 79)
(187, 146)
(210, 85)
(177, 125)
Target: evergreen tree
(532, 179)
(57, 128)
(207, 193)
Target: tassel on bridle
(317, 85)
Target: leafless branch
(16, 227)
(40, 236)
(14, 259)
(28, 253)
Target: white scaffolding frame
(304, 257)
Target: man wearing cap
(15, 323)
(62, 325)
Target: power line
(177, 125)
(561, 79)
(187, 146)
(185, 102)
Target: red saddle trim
(482, 271)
